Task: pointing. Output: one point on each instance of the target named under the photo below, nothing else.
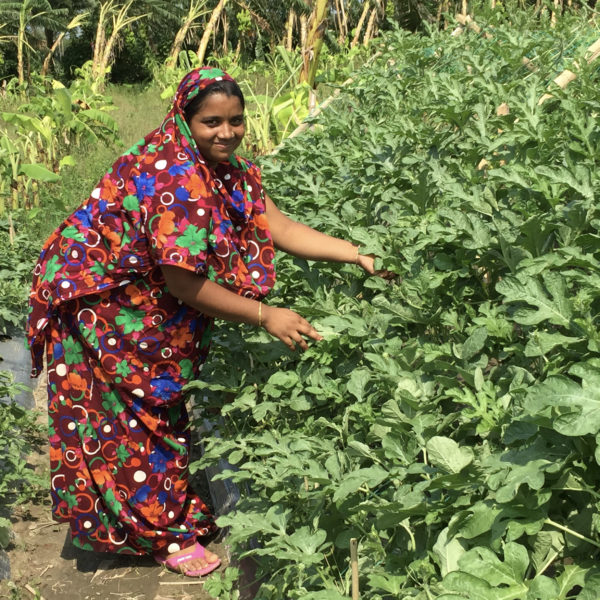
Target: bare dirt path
(45, 564)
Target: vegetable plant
(450, 419)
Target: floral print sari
(119, 347)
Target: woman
(178, 232)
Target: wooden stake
(354, 565)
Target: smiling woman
(179, 231)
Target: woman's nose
(226, 131)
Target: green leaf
(371, 477)
(448, 552)
(574, 408)
(542, 342)
(550, 301)
(67, 161)
(358, 382)
(39, 173)
(474, 343)
(572, 576)
(324, 595)
(448, 455)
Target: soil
(45, 565)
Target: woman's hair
(229, 88)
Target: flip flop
(196, 551)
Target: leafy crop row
(450, 419)
(19, 434)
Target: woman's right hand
(288, 326)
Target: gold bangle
(357, 255)
(260, 314)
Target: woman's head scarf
(160, 204)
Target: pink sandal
(196, 552)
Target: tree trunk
(360, 24)
(209, 29)
(338, 20)
(289, 30)
(303, 31)
(225, 34)
(370, 26)
(76, 21)
(48, 59)
(344, 21)
(120, 21)
(100, 40)
(195, 11)
(438, 16)
(20, 44)
(314, 42)
(557, 6)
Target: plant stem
(571, 532)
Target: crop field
(450, 419)
(443, 440)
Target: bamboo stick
(354, 565)
(563, 80)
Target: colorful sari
(119, 347)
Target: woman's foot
(193, 562)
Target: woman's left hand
(366, 262)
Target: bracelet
(260, 314)
(357, 255)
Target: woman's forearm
(304, 242)
(210, 298)
(213, 300)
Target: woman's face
(218, 127)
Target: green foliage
(20, 249)
(38, 137)
(449, 419)
(19, 432)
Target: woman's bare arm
(302, 241)
(214, 300)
